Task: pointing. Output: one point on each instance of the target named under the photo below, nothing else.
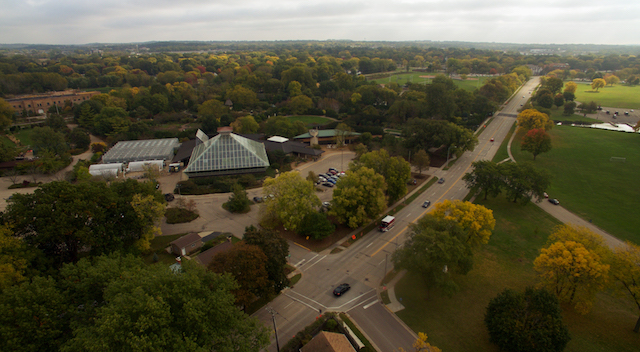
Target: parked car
(441, 180)
(333, 170)
(554, 201)
(326, 205)
(341, 289)
(257, 199)
(328, 184)
(332, 181)
(168, 197)
(426, 204)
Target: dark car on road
(426, 204)
(441, 180)
(554, 201)
(341, 289)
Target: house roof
(206, 257)
(324, 134)
(187, 240)
(291, 147)
(184, 152)
(328, 342)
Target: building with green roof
(324, 137)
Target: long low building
(40, 103)
(142, 150)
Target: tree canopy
(526, 321)
(118, 303)
(536, 141)
(436, 249)
(294, 198)
(358, 197)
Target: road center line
(447, 191)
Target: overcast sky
(504, 21)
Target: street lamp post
(275, 328)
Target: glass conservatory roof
(227, 151)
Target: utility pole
(275, 328)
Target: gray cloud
(526, 21)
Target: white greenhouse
(138, 166)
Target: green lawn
(456, 323)
(585, 180)
(415, 77)
(556, 115)
(24, 136)
(6, 141)
(618, 96)
(310, 120)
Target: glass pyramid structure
(226, 154)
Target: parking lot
(214, 218)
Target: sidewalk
(394, 305)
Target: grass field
(6, 141)
(414, 77)
(309, 120)
(456, 323)
(618, 96)
(24, 136)
(556, 115)
(585, 180)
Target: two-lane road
(363, 264)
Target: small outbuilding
(186, 244)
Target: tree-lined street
(363, 264)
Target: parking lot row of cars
(330, 178)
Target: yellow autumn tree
(421, 344)
(625, 269)
(476, 220)
(570, 87)
(598, 83)
(589, 239)
(533, 119)
(149, 211)
(571, 271)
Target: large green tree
(395, 170)
(437, 250)
(153, 308)
(487, 176)
(276, 248)
(62, 219)
(522, 181)
(358, 197)
(526, 321)
(293, 198)
(46, 139)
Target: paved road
(363, 264)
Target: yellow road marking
(434, 203)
